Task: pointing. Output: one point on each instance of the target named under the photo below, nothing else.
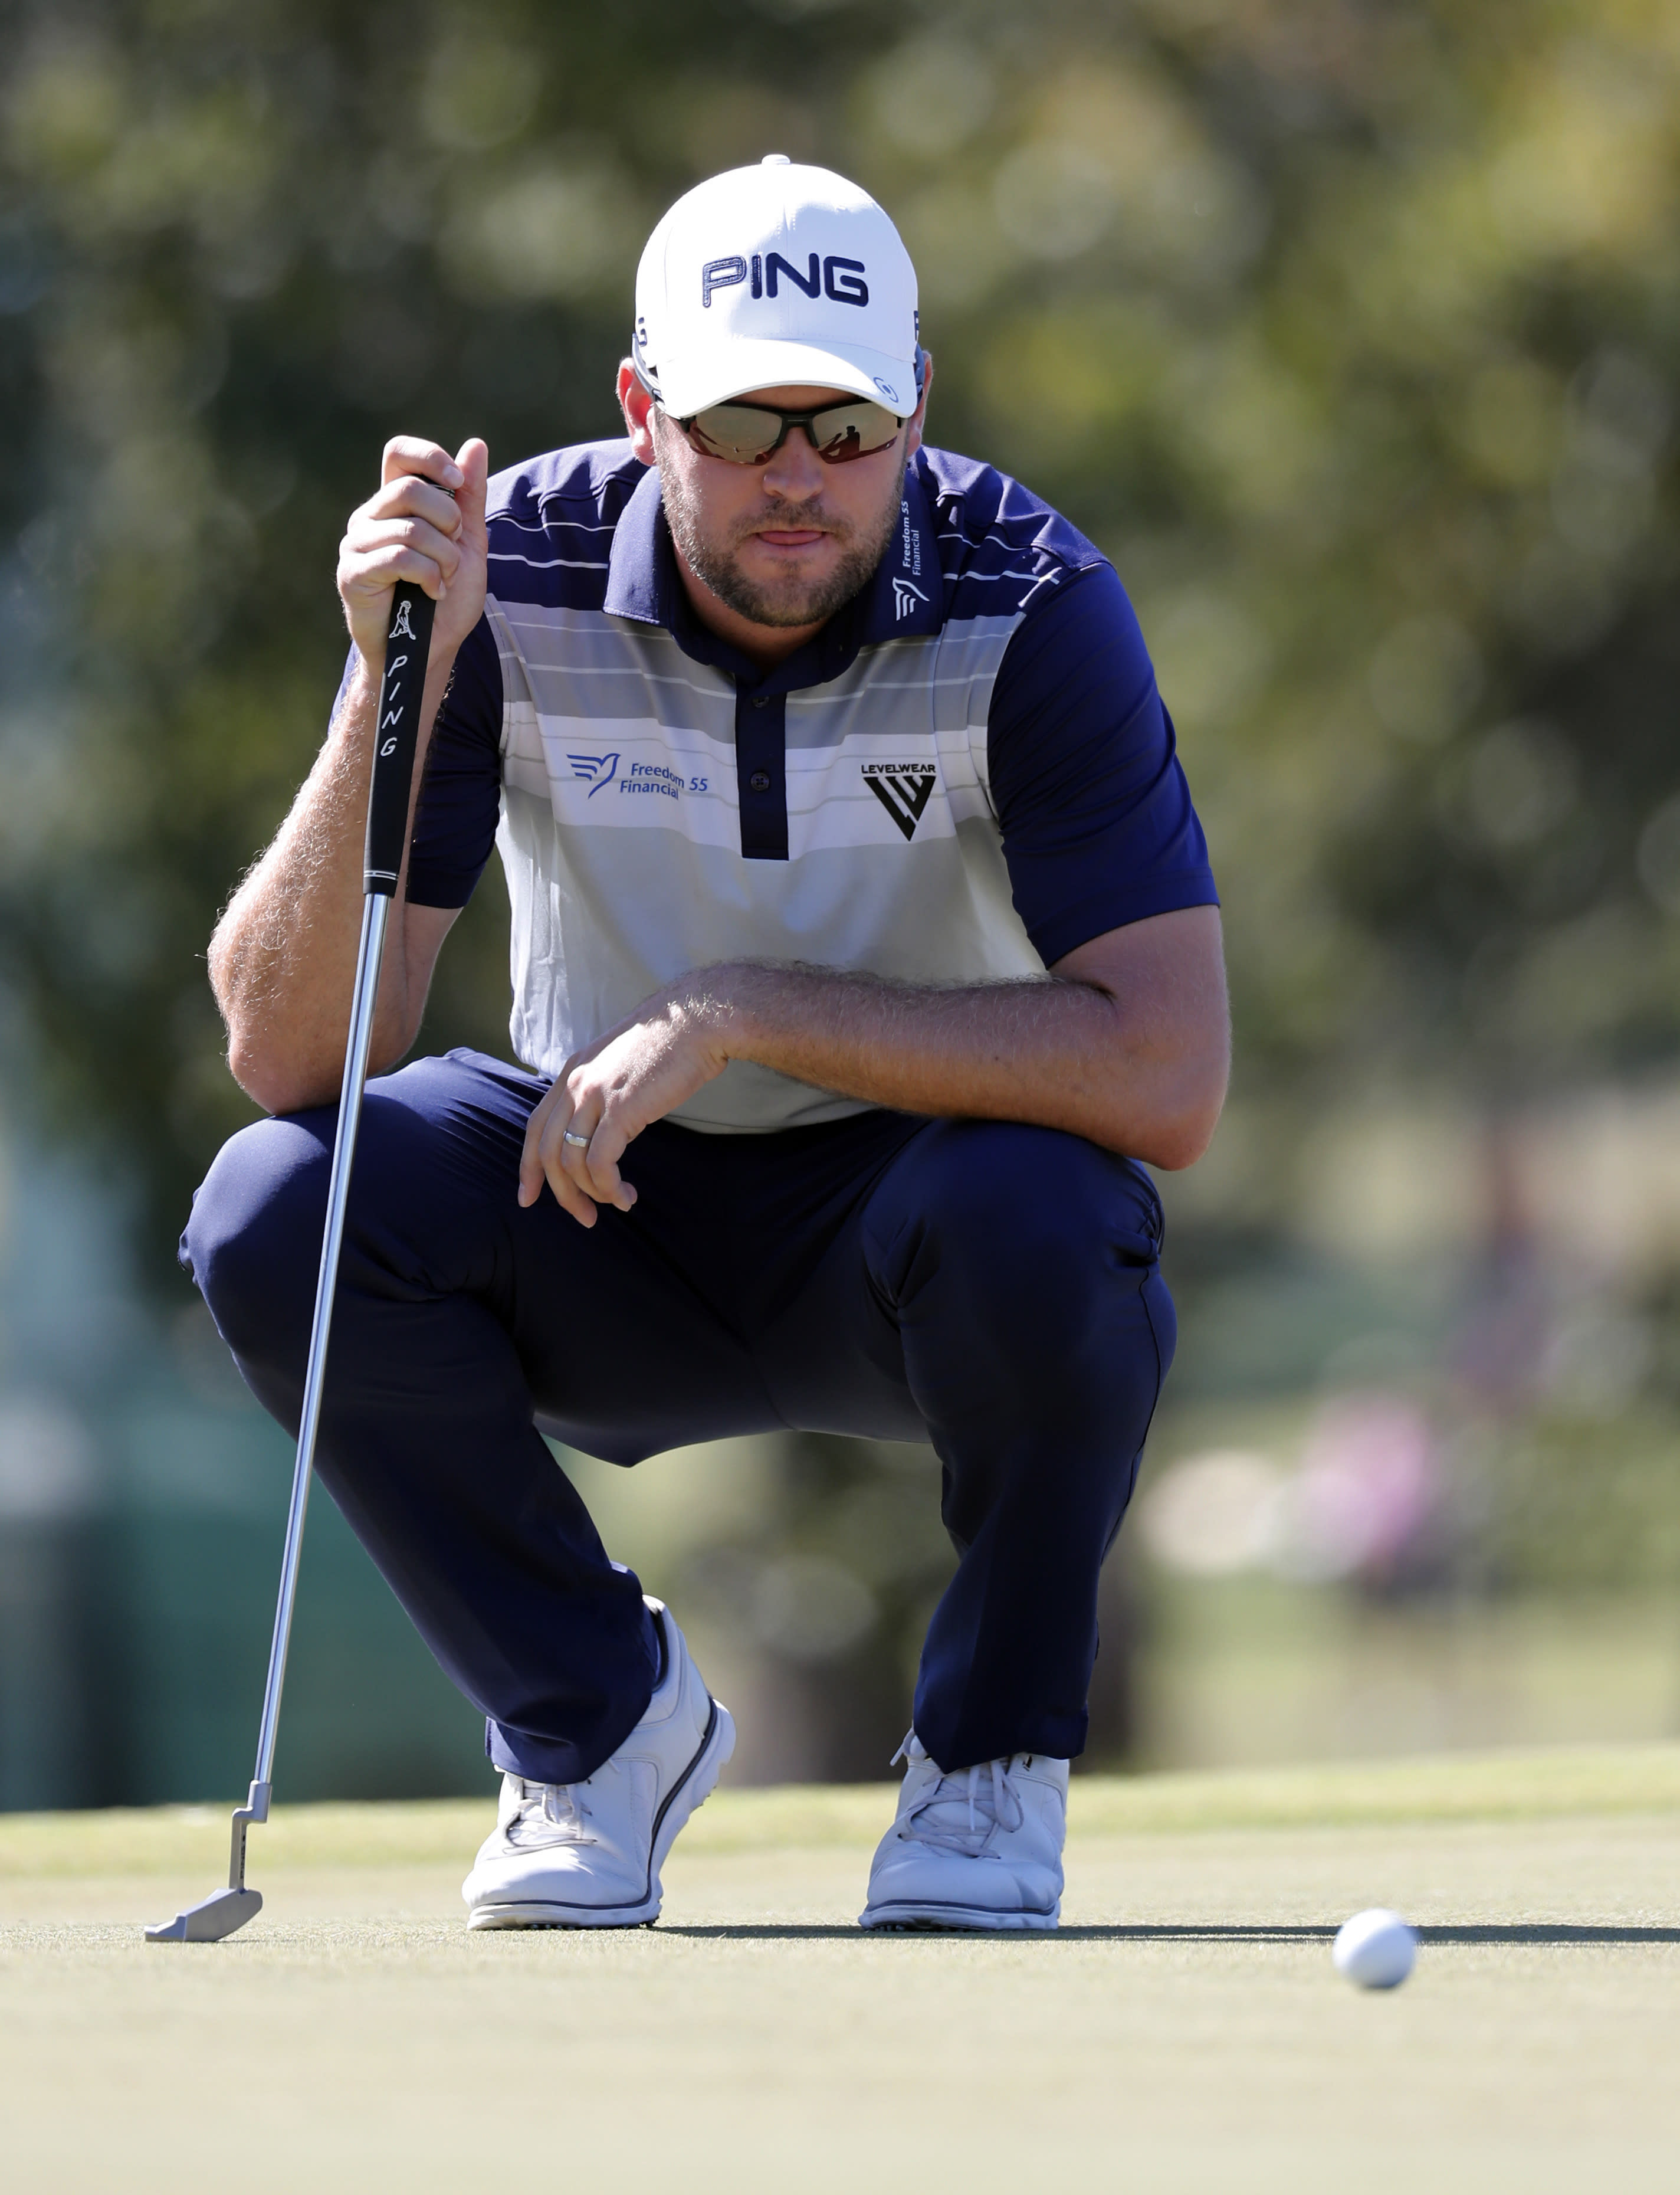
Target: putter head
(224, 1911)
(210, 1919)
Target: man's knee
(253, 1242)
(1011, 1218)
(436, 1146)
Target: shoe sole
(690, 1791)
(966, 1920)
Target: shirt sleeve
(1098, 826)
(460, 799)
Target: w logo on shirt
(595, 770)
(902, 789)
(905, 595)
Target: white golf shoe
(979, 1848)
(588, 1855)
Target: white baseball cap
(773, 276)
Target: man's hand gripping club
(282, 957)
(425, 523)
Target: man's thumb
(474, 458)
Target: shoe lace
(553, 1813)
(964, 1807)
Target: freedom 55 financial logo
(596, 771)
(902, 789)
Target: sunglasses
(751, 434)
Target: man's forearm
(282, 961)
(1055, 1051)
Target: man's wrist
(723, 1004)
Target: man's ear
(919, 415)
(637, 406)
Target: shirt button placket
(760, 775)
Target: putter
(400, 690)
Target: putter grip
(407, 645)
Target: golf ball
(1376, 1949)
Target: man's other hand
(425, 524)
(647, 1067)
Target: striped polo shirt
(964, 776)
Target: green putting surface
(1184, 2030)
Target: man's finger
(541, 1159)
(412, 498)
(377, 574)
(534, 1171)
(565, 1144)
(585, 1140)
(379, 569)
(531, 1173)
(408, 453)
(607, 1146)
(473, 464)
(561, 1175)
(587, 1154)
(571, 1198)
(368, 535)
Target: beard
(790, 601)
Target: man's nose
(794, 473)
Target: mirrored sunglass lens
(852, 430)
(740, 432)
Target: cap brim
(748, 363)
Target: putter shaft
(376, 911)
(394, 741)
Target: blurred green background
(1350, 329)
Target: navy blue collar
(904, 600)
(640, 569)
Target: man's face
(787, 542)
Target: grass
(1535, 1786)
(1183, 2031)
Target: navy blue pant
(990, 1288)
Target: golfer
(864, 942)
